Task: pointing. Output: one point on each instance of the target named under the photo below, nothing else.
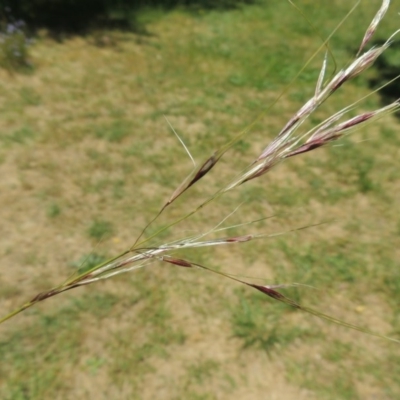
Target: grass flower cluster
(291, 141)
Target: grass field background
(87, 159)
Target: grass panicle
(291, 141)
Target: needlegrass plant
(101, 151)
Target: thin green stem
(17, 311)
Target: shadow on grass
(63, 18)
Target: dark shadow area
(387, 68)
(63, 17)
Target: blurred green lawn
(87, 159)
